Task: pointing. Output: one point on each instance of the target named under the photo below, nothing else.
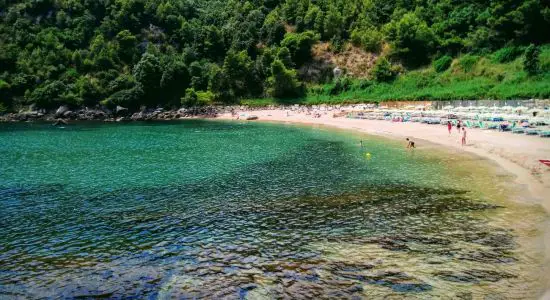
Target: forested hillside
(184, 52)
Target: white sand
(518, 154)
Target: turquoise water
(246, 210)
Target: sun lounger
(532, 131)
(544, 133)
(518, 130)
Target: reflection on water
(310, 219)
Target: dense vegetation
(173, 52)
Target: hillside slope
(180, 52)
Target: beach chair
(518, 130)
(470, 124)
(481, 125)
(492, 125)
(532, 131)
(544, 133)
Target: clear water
(247, 210)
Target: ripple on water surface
(216, 209)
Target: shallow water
(247, 210)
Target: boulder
(68, 114)
(121, 110)
(61, 110)
(60, 122)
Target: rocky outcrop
(119, 114)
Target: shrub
(372, 40)
(341, 85)
(531, 62)
(507, 54)
(442, 64)
(383, 71)
(362, 84)
(467, 62)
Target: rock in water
(60, 122)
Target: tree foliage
(149, 52)
(531, 62)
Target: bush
(341, 85)
(531, 62)
(467, 62)
(372, 40)
(507, 54)
(130, 98)
(442, 64)
(283, 83)
(190, 99)
(383, 71)
(362, 84)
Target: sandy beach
(517, 154)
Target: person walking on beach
(463, 136)
(458, 125)
(449, 127)
(410, 144)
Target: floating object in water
(368, 155)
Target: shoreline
(516, 154)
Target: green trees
(299, 45)
(531, 61)
(411, 38)
(148, 73)
(283, 82)
(148, 52)
(383, 71)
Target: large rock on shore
(61, 110)
(121, 110)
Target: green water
(246, 210)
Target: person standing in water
(449, 127)
(463, 136)
(410, 144)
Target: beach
(517, 154)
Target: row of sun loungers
(492, 123)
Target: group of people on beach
(459, 126)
